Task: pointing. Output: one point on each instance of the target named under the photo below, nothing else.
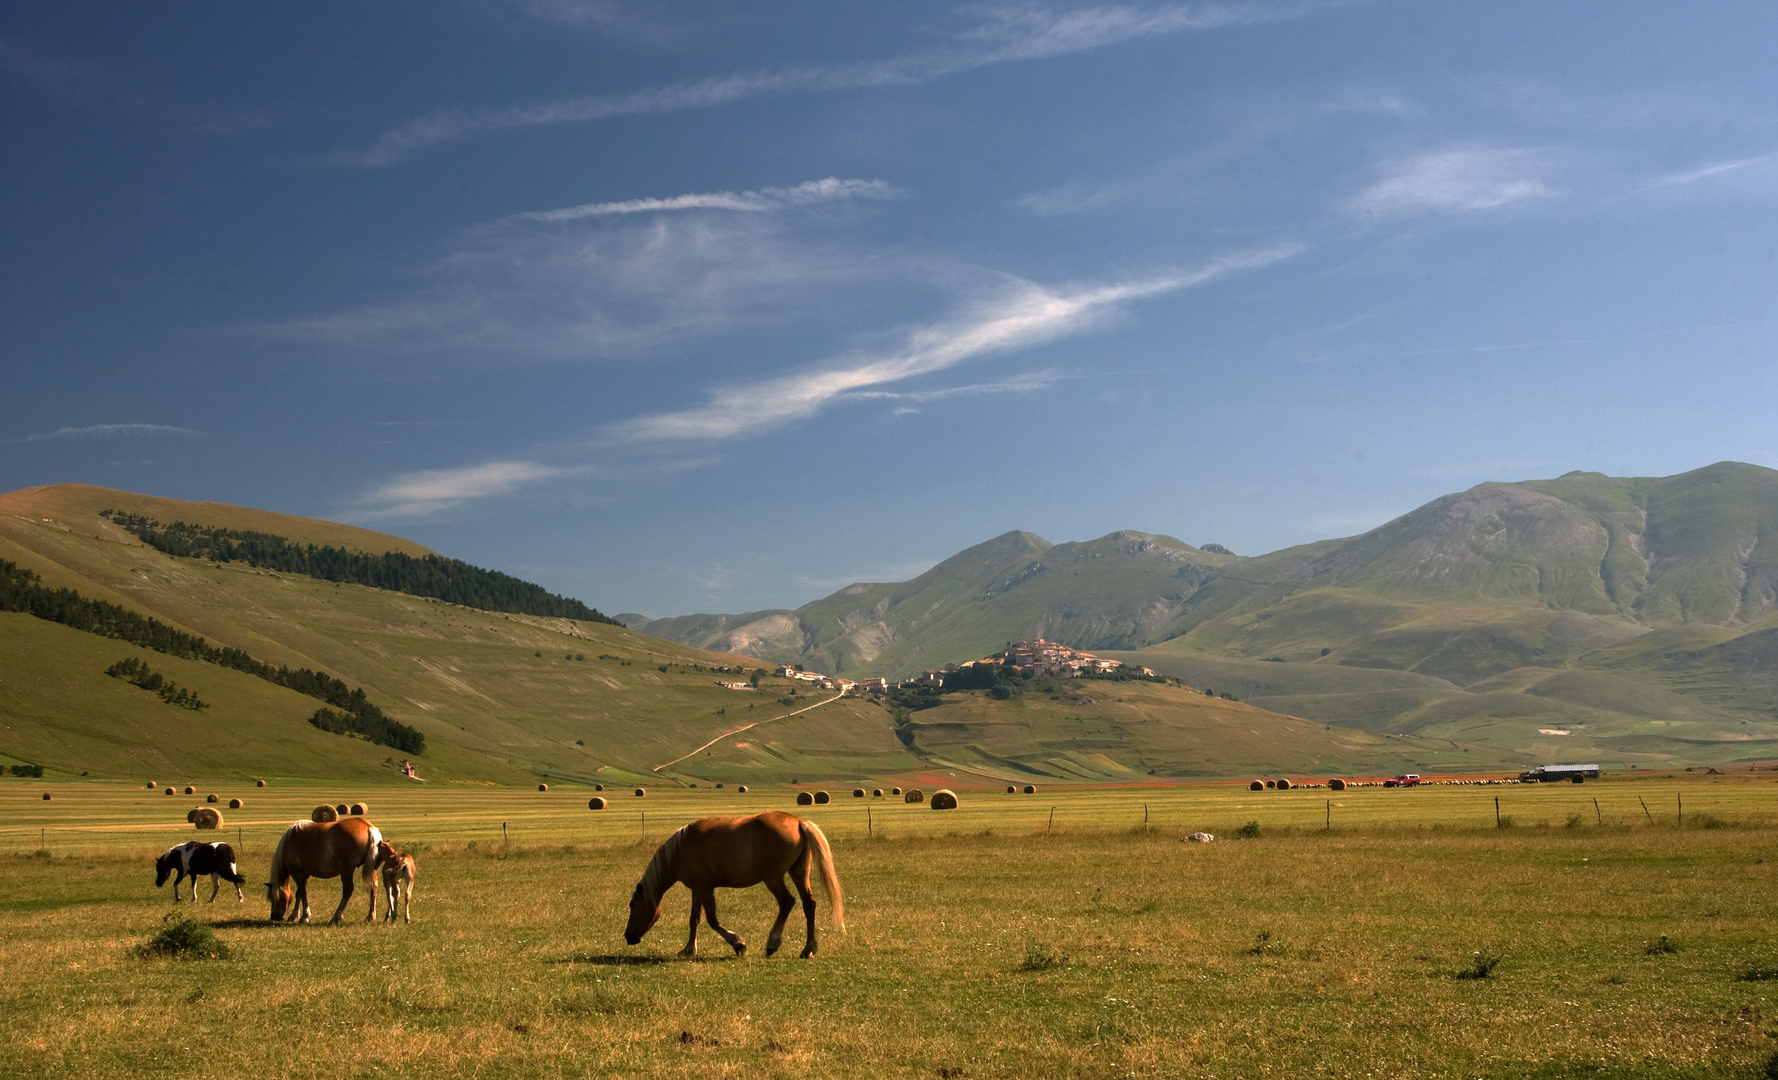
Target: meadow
(1046, 935)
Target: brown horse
(735, 853)
(397, 871)
(321, 849)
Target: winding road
(745, 727)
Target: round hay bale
(259, 783)
(46, 796)
(1256, 786)
(641, 791)
(822, 797)
(191, 816)
(208, 818)
(944, 799)
(151, 785)
(1030, 789)
(324, 812)
(542, 787)
(1336, 784)
(858, 793)
(803, 798)
(212, 797)
(876, 793)
(1271, 783)
(341, 809)
(360, 809)
(914, 795)
(595, 803)
(895, 791)
(598, 787)
(1011, 790)
(189, 790)
(742, 789)
(1283, 785)
(235, 804)
(170, 791)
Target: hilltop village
(1037, 657)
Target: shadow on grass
(611, 960)
(246, 924)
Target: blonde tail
(369, 867)
(822, 856)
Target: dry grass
(978, 943)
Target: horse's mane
(278, 872)
(655, 880)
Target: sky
(693, 307)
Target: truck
(1406, 779)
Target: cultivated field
(984, 942)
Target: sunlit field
(1052, 934)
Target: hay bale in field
(895, 791)
(1336, 784)
(212, 797)
(360, 809)
(1030, 789)
(1284, 785)
(235, 804)
(189, 790)
(1256, 786)
(46, 796)
(259, 783)
(170, 791)
(191, 815)
(542, 787)
(742, 789)
(641, 792)
(341, 809)
(1271, 783)
(1011, 790)
(876, 793)
(822, 797)
(151, 785)
(944, 799)
(803, 798)
(858, 793)
(914, 795)
(598, 787)
(324, 812)
(595, 803)
(208, 817)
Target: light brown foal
(397, 870)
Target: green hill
(1631, 613)
(511, 698)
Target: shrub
(1758, 973)
(1263, 945)
(1662, 947)
(184, 938)
(1481, 966)
(1040, 957)
(1249, 831)
(1575, 821)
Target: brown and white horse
(735, 853)
(397, 871)
(193, 860)
(321, 849)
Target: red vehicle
(1410, 779)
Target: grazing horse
(397, 870)
(735, 853)
(321, 849)
(193, 860)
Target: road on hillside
(745, 727)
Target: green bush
(1249, 830)
(184, 938)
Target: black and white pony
(193, 860)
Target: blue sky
(687, 307)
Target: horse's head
(385, 853)
(644, 913)
(280, 897)
(163, 869)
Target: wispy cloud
(109, 431)
(764, 200)
(1455, 181)
(1018, 384)
(1708, 172)
(1004, 35)
(1026, 315)
(430, 491)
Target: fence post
(1052, 821)
(870, 826)
(1597, 812)
(505, 841)
(1645, 810)
(1497, 811)
(1329, 823)
(1681, 800)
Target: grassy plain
(984, 942)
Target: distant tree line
(134, 671)
(451, 580)
(377, 728)
(21, 590)
(25, 770)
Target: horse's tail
(368, 868)
(822, 856)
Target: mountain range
(1583, 615)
